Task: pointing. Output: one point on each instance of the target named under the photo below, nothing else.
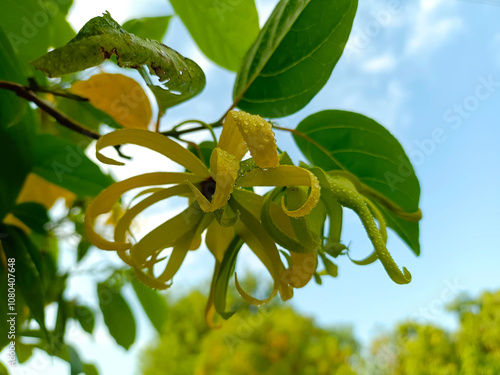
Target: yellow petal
(302, 268)
(119, 96)
(285, 175)
(125, 221)
(218, 239)
(252, 300)
(167, 234)
(104, 202)
(224, 169)
(154, 141)
(257, 134)
(39, 190)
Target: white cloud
(430, 28)
(379, 64)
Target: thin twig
(28, 94)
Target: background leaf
(33, 26)
(153, 303)
(223, 29)
(28, 282)
(119, 96)
(17, 155)
(293, 56)
(11, 106)
(148, 27)
(33, 215)
(353, 142)
(66, 165)
(85, 317)
(117, 315)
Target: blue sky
(429, 72)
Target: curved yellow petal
(218, 239)
(257, 134)
(155, 142)
(285, 175)
(123, 224)
(166, 235)
(224, 169)
(106, 199)
(252, 300)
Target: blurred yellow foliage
(119, 96)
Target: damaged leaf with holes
(172, 77)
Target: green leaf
(90, 369)
(293, 56)
(69, 354)
(101, 38)
(85, 317)
(153, 303)
(117, 315)
(149, 27)
(340, 140)
(222, 279)
(12, 107)
(65, 164)
(16, 148)
(34, 215)
(17, 245)
(206, 148)
(3, 369)
(33, 26)
(23, 351)
(224, 29)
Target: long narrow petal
(285, 175)
(155, 142)
(166, 234)
(123, 224)
(104, 202)
(181, 248)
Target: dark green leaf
(222, 279)
(11, 107)
(149, 27)
(340, 140)
(153, 303)
(33, 26)
(293, 56)
(74, 360)
(65, 164)
(101, 38)
(223, 29)
(117, 315)
(70, 355)
(83, 249)
(85, 317)
(34, 215)
(18, 246)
